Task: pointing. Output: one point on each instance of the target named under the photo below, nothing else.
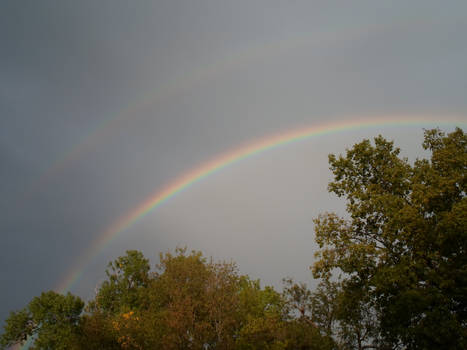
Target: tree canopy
(186, 302)
(392, 274)
(401, 253)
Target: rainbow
(191, 177)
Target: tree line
(392, 274)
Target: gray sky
(104, 102)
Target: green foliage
(53, 320)
(402, 252)
(127, 276)
(18, 328)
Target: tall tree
(404, 243)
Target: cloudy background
(104, 102)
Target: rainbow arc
(184, 181)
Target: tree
(261, 317)
(53, 319)
(128, 276)
(402, 250)
(307, 321)
(195, 301)
(189, 302)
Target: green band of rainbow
(186, 180)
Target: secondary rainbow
(109, 125)
(186, 180)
